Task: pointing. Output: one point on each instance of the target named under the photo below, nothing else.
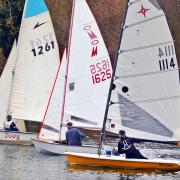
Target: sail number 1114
(166, 56)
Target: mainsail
(37, 63)
(89, 69)
(6, 80)
(81, 86)
(146, 100)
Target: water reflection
(122, 173)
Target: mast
(111, 83)
(67, 66)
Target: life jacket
(7, 124)
(126, 145)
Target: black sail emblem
(39, 24)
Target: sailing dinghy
(146, 100)
(122, 162)
(33, 65)
(138, 81)
(85, 75)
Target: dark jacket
(127, 147)
(73, 136)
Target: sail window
(125, 89)
(113, 87)
(71, 86)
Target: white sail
(52, 119)
(89, 70)
(147, 95)
(6, 84)
(37, 63)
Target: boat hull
(17, 138)
(52, 148)
(121, 162)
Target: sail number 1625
(101, 71)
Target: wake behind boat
(122, 162)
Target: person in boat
(74, 135)
(125, 146)
(9, 125)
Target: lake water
(24, 163)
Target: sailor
(125, 146)
(74, 135)
(9, 125)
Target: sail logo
(143, 10)
(94, 40)
(39, 24)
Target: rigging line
(145, 47)
(144, 21)
(146, 74)
(147, 100)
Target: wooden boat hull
(17, 138)
(121, 162)
(52, 148)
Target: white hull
(50, 147)
(18, 138)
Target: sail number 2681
(41, 49)
(100, 71)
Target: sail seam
(140, 22)
(145, 47)
(147, 100)
(146, 74)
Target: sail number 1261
(41, 49)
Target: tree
(10, 18)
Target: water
(24, 163)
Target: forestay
(147, 95)
(37, 63)
(6, 80)
(89, 70)
(51, 124)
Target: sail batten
(146, 47)
(141, 22)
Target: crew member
(127, 147)
(74, 135)
(9, 125)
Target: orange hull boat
(121, 162)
